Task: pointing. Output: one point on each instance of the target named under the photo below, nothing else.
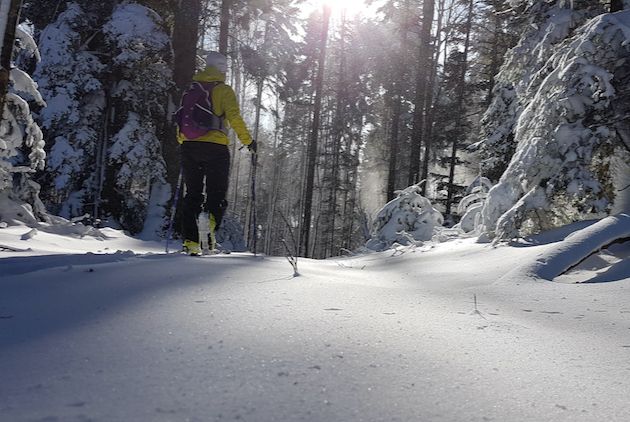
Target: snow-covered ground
(128, 333)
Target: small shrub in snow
(407, 219)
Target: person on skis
(207, 108)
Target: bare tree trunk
(427, 128)
(251, 229)
(236, 156)
(185, 37)
(303, 167)
(424, 68)
(10, 13)
(275, 181)
(616, 5)
(397, 108)
(236, 84)
(351, 206)
(224, 30)
(337, 135)
(101, 154)
(459, 108)
(184, 42)
(494, 59)
(312, 146)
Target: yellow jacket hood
(209, 74)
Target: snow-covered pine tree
(135, 174)
(572, 145)
(21, 141)
(105, 75)
(69, 76)
(546, 24)
(407, 219)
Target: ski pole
(174, 207)
(254, 162)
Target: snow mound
(407, 219)
(469, 208)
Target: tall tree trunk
(224, 30)
(337, 135)
(101, 153)
(427, 128)
(424, 68)
(459, 107)
(237, 74)
(251, 232)
(397, 108)
(275, 181)
(616, 5)
(352, 182)
(260, 87)
(312, 145)
(103, 202)
(185, 35)
(494, 58)
(9, 15)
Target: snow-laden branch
(580, 245)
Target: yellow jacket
(224, 103)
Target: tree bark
(427, 128)
(224, 30)
(459, 108)
(424, 68)
(312, 145)
(397, 108)
(185, 35)
(338, 132)
(11, 10)
(494, 59)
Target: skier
(202, 132)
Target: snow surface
(449, 332)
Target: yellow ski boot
(192, 248)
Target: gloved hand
(253, 147)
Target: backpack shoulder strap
(209, 87)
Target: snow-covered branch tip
(291, 258)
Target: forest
(449, 181)
(375, 119)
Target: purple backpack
(195, 117)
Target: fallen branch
(13, 249)
(582, 244)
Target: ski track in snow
(156, 337)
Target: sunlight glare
(352, 7)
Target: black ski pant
(210, 163)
